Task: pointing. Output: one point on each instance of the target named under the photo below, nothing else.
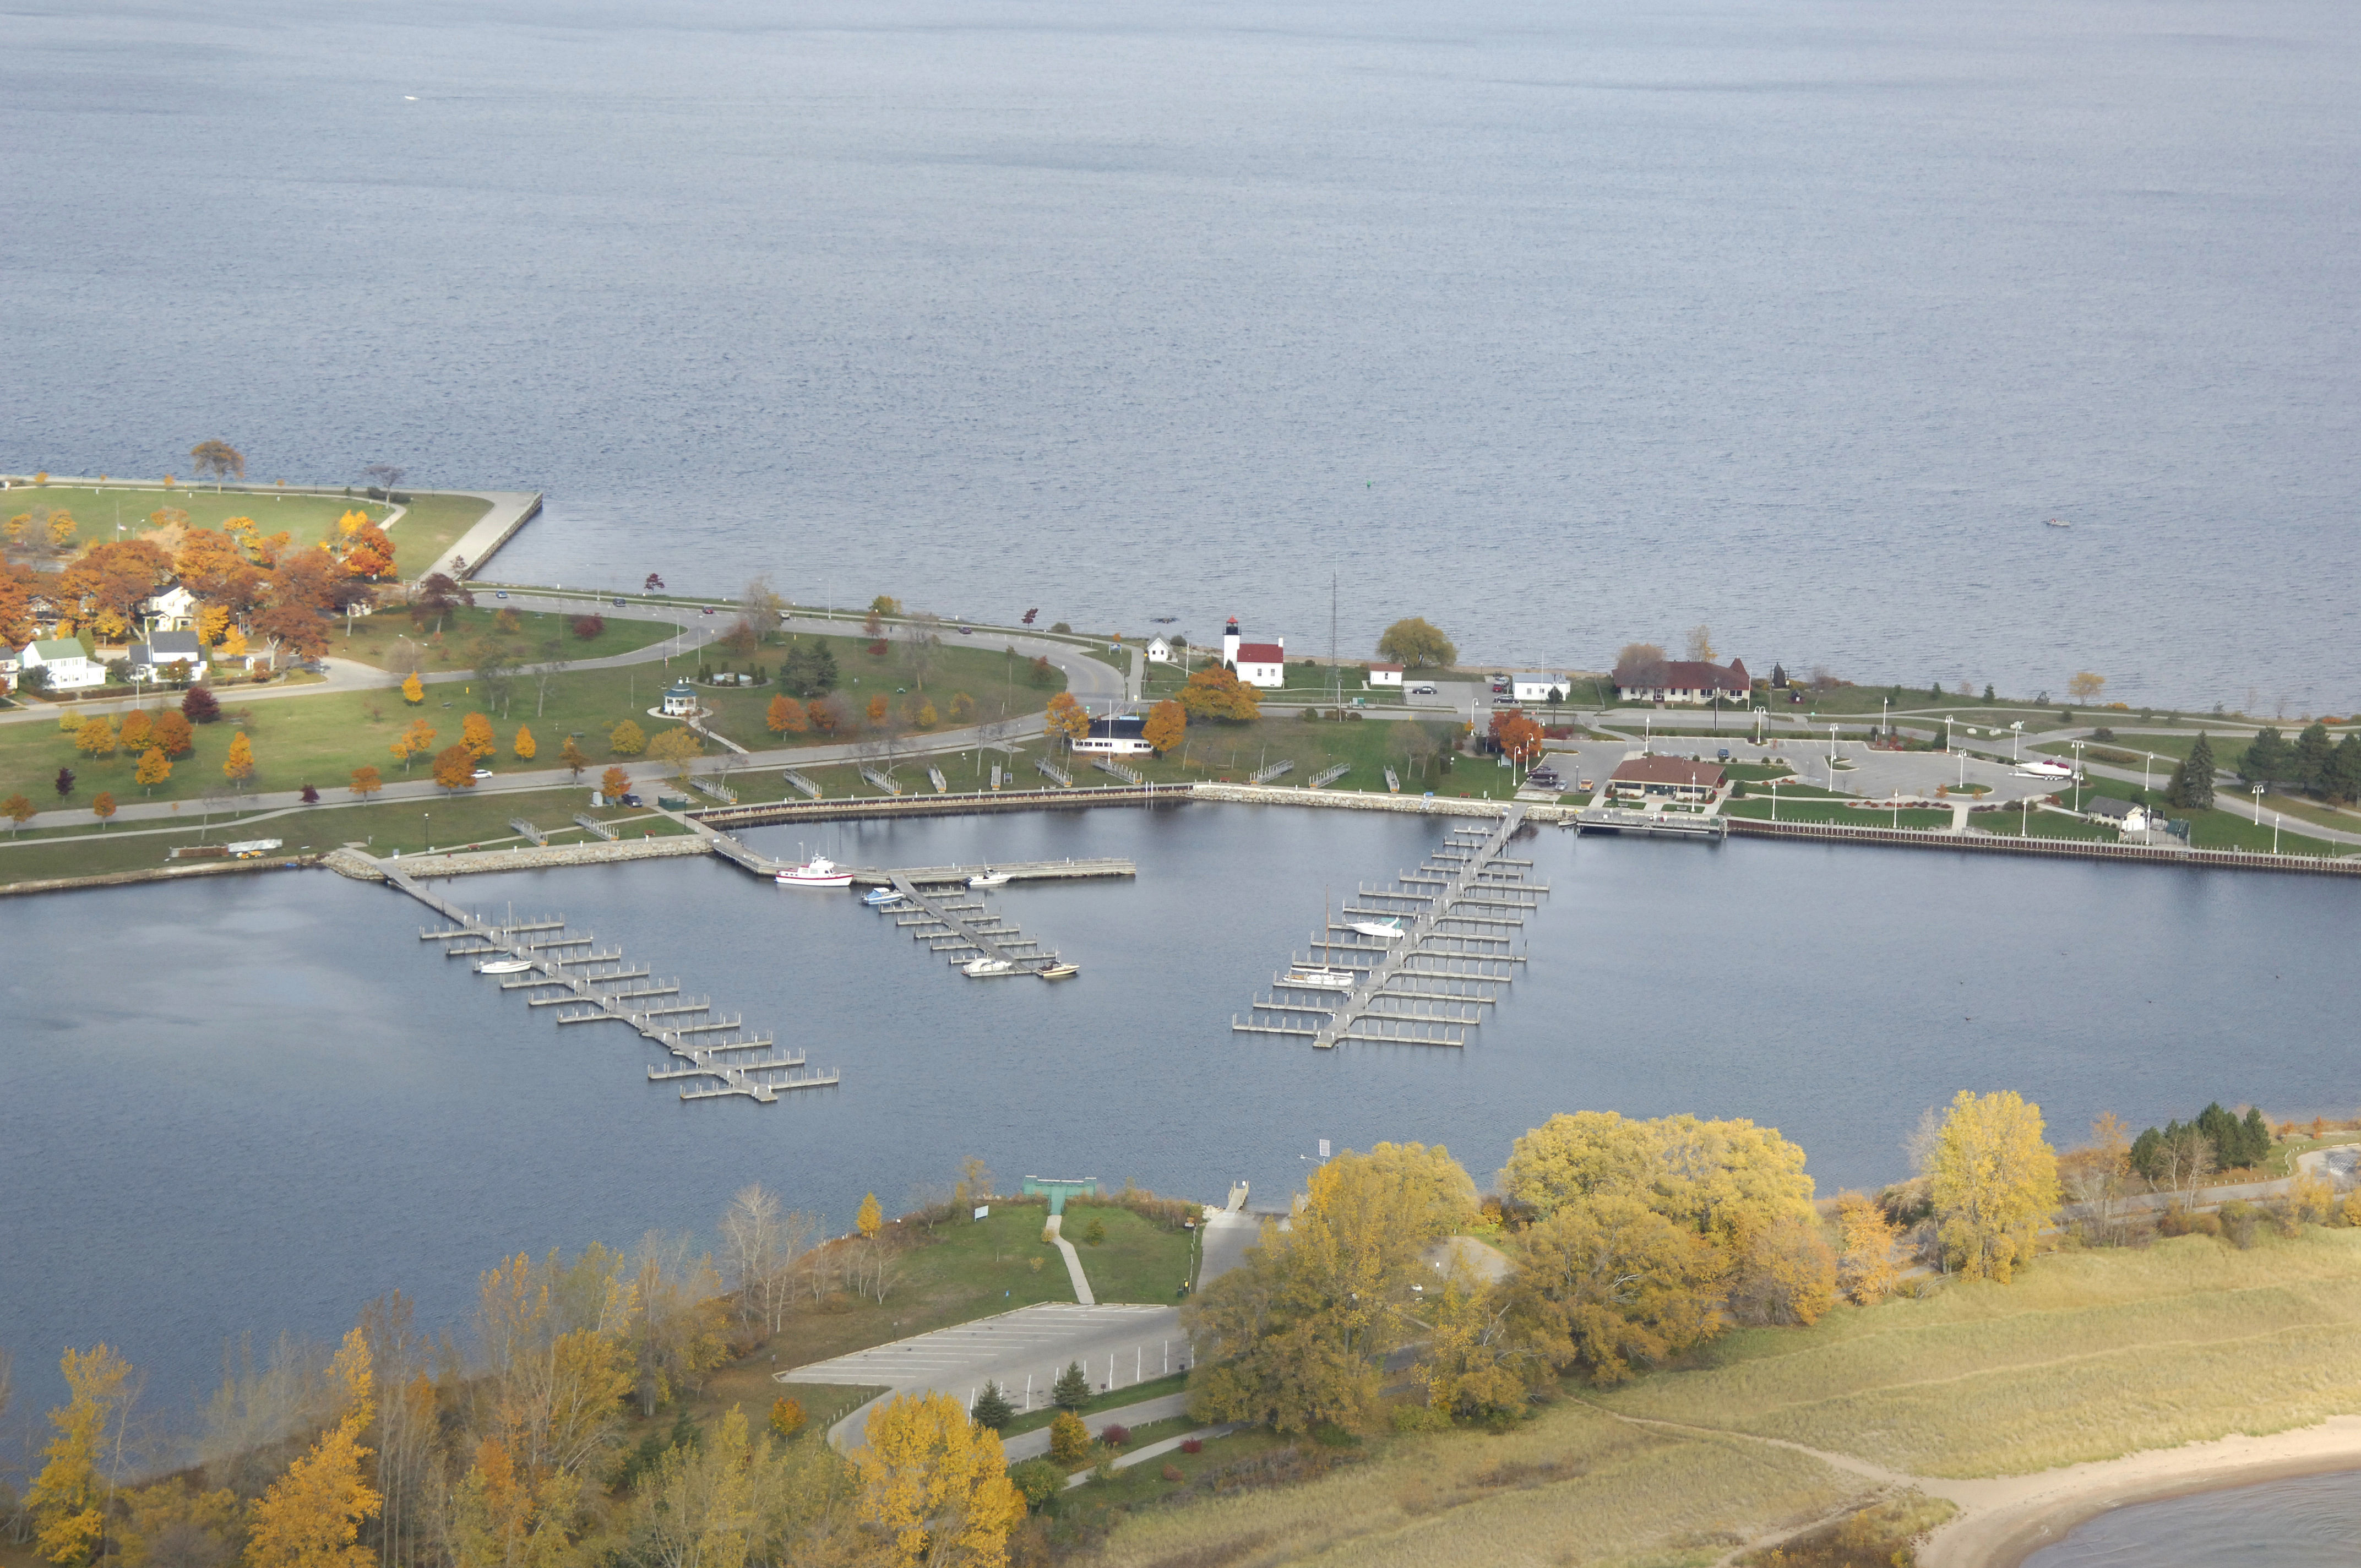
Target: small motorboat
(2059, 523)
(878, 897)
(1383, 930)
(818, 872)
(989, 879)
(986, 968)
(1059, 971)
(1322, 978)
(504, 966)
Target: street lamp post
(2078, 775)
(2015, 734)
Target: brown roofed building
(1687, 680)
(1664, 778)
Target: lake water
(258, 1102)
(2313, 1522)
(1562, 325)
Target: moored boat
(1384, 931)
(1060, 970)
(989, 879)
(876, 897)
(1321, 979)
(504, 966)
(987, 968)
(818, 872)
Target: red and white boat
(818, 872)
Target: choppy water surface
(2312, 1522)
(1559, 324)
(256, 1103)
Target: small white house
(165, 649)
(680, 700)
(1386, 675)
(2123, 813)
(70, 668)
(1159, 652)
(1255, 663)
(1535, 685)
(174, 610)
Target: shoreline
(2003, 1521)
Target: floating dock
(960, 928)
(1461, 913)
(592, 987)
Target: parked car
(483, 772)
(706, 611)
(967, 631)
(632, 800)
(1422, 691)
(618, 603)
(501, 595)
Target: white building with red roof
(1254, 663)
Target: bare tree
(2184, 1159)
(763, 607)
(1639, 666)
(387, 476)
(257, 1409)
(1921, 1142)
(921, 641)
(1701, 644)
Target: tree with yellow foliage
(1865, 1270)
(238, 766)
(1167, 726)
(213, 622)
(572, 755)
(102, 807)
(71, 1498)
(311, 1517)
(523, 747)
(366, 782)
(1995, 1183)
(174, 1523)
(785, 715)
(61, 529)
(674, 748)
(935, 1486)
(137, 730)
(1608, 1283)
(413, 691)
(233, 643)
(1068, 718)
(787, 1416)
(626, 740)
(871, 1219)
(476, 734)
(502, 1517)
(94, 737)
(1474, 1364)
(154, 769)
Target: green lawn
(2006, 823)
(321, 740)
(1139, 1261)
(391, 639)
(1793, 810)
(1231, 752)
(1130, 1394)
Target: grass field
(391, 642)
(2040, 824)
(1571, 1486)
(1138, 1261)
(424, 532)
(321, 740)
(2087, 1356)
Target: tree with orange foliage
(572, 755)
(877, 708)
(311, 1517)
(238, 766)
(154, 769)
(138, 730)
(827, 715)
(102, 807)
(1068, 718)
(366, 782)
(525, 747)
(475, 735)
(614, 783)
(1520, 738)
(413, 742)
(413, 691)
(111, 579)
(19, 809)
(174, 734)
(787, 716)
(1215, 692)
(455, 767)
(211, 566)
(1167, 726)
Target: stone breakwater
(1350, 800)
(361, 868)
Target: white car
(483, 772)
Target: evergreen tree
(2313, 752)
(2192, 782)
(2221, 1130)
(2268, 757)
(2258, 1138)
(1072, 1388)
(2342, 781)
(993, 1408)
(2144, 1152)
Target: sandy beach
(2004, 1520)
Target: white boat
(2059, 522)
(878, 896)
(1059, 971)
(1384, 931)
(504, 966)
(2035, 770)
(1322, 978)
(818, 872)
(989, 879)
(986, 969)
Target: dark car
(501, 595)
(632, 800)
(618, 603)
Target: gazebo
(680, 700)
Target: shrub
(1172, 1473)
(787, 1416)
(877, 649)
(198, 706)
(1193, 1445)
(2239, 1221)
(1114, 1436)
(1069, 1439)
(1037, 1479)
(590, 628)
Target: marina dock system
(588, 986)
(957, 926)
(1461, 915)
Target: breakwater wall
(1358, 800)
(970, 803)
(2050, 848)
(361, 868)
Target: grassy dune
(2087, 1356)
(1571, 1487)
